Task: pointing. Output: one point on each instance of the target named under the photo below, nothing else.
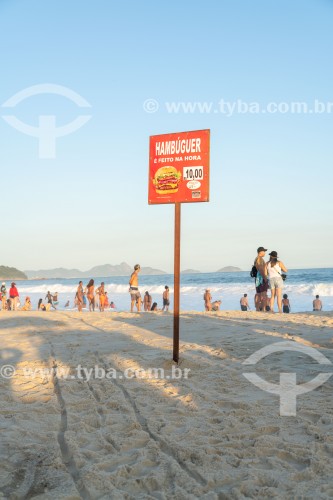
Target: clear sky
(271, 173)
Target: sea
(301, 286)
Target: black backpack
(253, 272)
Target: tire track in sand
(165, 448)
(163, 445)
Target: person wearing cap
(134, 289)
(261, 282)
(166, 300)
(274, 269)
(208, 300)
(147, 301)
(13, 295)
(3, 292)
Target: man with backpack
(261, 281)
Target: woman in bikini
(79, 296)
(101, 294)
(91, 295)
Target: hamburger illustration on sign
(166, 180)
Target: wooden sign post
(178, 173)
(176, 287)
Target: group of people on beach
(149, 305)
(268, 275)
(96, 297)
(244, 303)
(209, 305)
(10, 298)
(147, 302)
(271, 275)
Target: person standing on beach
(261, 282)
(79, 296)
(274, 269)
(134, 289)
(244, 303)
(100, 291)
(55, 299)
(13, 295)
(166, 301)
(90, 293)
(49, 300)
(208, 300)
(285, 304)
(317, 304)
(3, 295)
(147, 301)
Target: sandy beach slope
(67, 433)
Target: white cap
(3, 283)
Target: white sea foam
(322, 289)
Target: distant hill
(190, 271)
(108, 270)
(11, 273)
(122, 269)
(229, 269)
(59, 272)
(151, 271)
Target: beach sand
(212, 435)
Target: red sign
(179, 167)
